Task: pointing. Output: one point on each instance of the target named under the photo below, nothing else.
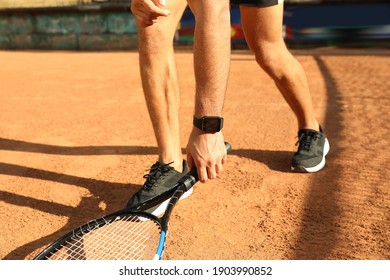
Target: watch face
(212, 124)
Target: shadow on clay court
(275, 160)
(23, 146)
(88, 209)
(114, 194)
(319, 233)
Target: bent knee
(210, 10)
(272, 60)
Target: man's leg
(161, 90)
(212, 59)
(263, 32)
(159, 81)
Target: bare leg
(263, 32)
(159, 81)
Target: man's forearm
(211, 59)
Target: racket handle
(192, 176)
(228, 147)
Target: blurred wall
(68, 28)
(109, 24)
(39, 3)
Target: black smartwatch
(209, 124)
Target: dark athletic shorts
(256, 3)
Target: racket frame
(90, 226)
(182, 186)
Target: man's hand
(147, 12)
(207, 152)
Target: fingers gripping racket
(122, 235)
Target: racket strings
(125, 238)
(140, 234)
(108, 240)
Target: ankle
(177, 164)
(314, 125)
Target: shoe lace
(307, 139)
(155, 172)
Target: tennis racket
(122, 235)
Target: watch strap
(210, 124)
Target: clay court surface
(76, 140)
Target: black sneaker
(312, 149)
(160, 179)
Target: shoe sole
(319, 166)
(160, 209)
